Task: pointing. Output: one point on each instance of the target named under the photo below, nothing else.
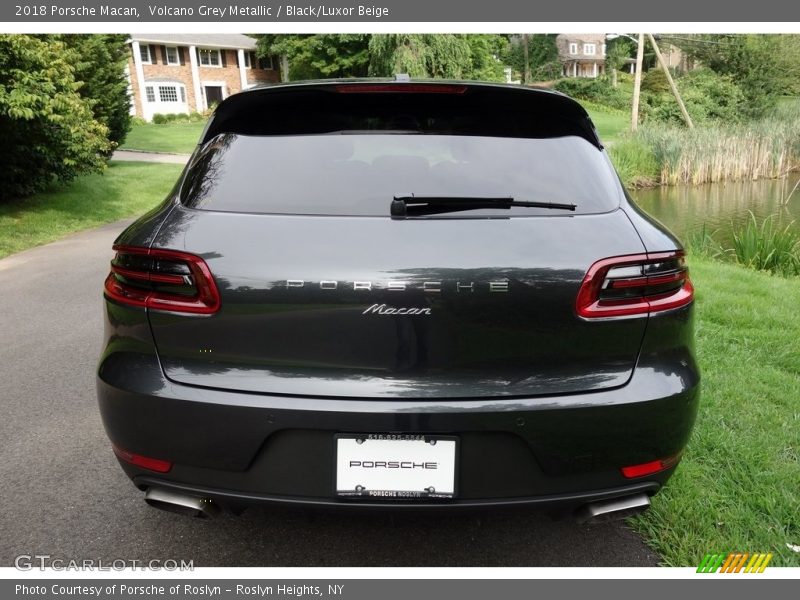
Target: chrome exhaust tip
(180, 503)
(613, 509)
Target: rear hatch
(323, 293)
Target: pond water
(721, 207)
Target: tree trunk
(526, 76)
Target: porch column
(594, 69)
(199, 101)
(242, 70)
(137, 65)
(575, 69)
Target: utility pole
(672, 85)
(637, 83)
(526, 76)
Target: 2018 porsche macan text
(389, 293)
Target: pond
(721, 207)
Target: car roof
(554, 101)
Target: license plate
(396, 466)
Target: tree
(100, 67)
(421, 55)
(618, 49)
(48, 130)
(486, 51)
(542, 55)
(763, 66)
(319, 56)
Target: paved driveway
(63, 493)
(159, 157)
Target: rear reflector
(650, 468)
(400, 88)
(166, 280)
(151, 464)
(636, 284)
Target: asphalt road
(63, 493)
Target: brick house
(181, 73)
(582, 54)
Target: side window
(150, 93)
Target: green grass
(126, 189)
(738, 487)
(610, 123)
(179, 138)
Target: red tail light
(145, 462)
(402, 88)
(637, 284)
(650, 468)
(162, 279)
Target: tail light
(162, 279)
(637, 284)
(650, 468)
(402, 88)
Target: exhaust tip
(614, 509)
(180, 503)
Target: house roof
(208, 40)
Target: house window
(167, 93)
(573, 48)
(172, 56)
(267, 63)
(183, 94)
(247, 64)
(604, 49)
(144, 53)
(590, 49)
(151, 96)
(209, 58)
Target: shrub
(49, 132)
(597, 90)
(707, 97)
(655, 81)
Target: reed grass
(765, 149)
(768, 246)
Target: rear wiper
(410, 205)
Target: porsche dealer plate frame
(395, 466)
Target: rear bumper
(243, 448)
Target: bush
(597, 90)
(193, 117)
(655, 80)
(49, 132)
(707, 97)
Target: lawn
(610, 123)
(126, 189)
(179, 138)
(738, 487)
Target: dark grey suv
(398, 293)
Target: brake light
(637, 284)
(402, 88)
(162, 279)
(650, 468)
(145, 462)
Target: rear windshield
(358, 173)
